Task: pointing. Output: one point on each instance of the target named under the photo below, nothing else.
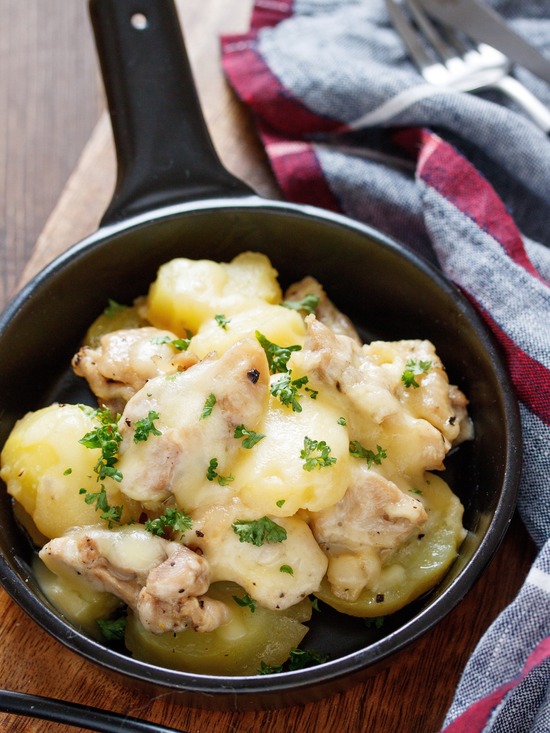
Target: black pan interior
(388, 294)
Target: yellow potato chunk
(238, 647)
(187, 292)
(417, 566)
(114, 318)
(44, 467)
(81, 604)
(279, 325)
(273, 477)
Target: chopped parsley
(277, 356)
(67, 472)
(179, 344)
(298, 659)
(113, 308)
(342, 421)
(315, 454)
(280, 502)
(245, 601)
(377, 622)
(112, 629)
(146, 427)
(110, 514)
(250, 437)
(286, 389)
(413, 369)
(213, 475)
(222, 321)
(208, 406)
(106, 437)
(358, 451)
(308, 303)
(179, 521)
(286, 569)
(259, 531)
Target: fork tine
(429, 30)
(408, 34)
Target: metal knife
(485, 25)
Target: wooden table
(52, 123)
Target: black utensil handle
(74, 714)
(164, 151)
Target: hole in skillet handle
(139, 21)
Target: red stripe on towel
(476, 717)
(443, 168)
(260, 89)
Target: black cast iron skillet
(174, 198)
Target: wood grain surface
(57, 171)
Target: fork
(444, 59)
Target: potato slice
(417, 566)
(81, 604)
(236, 648)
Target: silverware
(445, 59)
(485, 25)
(73, 714)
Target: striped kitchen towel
(349, 125)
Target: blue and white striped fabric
(349, 124)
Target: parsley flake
(277, 356)
(112, 629)
(146, 427)
(413, 369)
(259, 531)
(286, 569)
(245, 601)
(106, 437)
(321, 459)
(358, 451)
(111, 514)
(286, 390)
(179, 521)
(298, 659)
(250, 437)
(222, 321)
(113, 308)
(208, 406)
(213, 475)
(308, 303)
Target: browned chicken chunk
(162, 581)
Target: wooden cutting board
(415, 691)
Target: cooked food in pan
(248, 456)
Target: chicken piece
(163, 582)
(459, 404)
(373, 519)
(325, 311)
(416, 425)
(276, 574)
(337, 363)
(125, 360)
(433, 399)
(198, 411)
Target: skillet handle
(164, 152)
